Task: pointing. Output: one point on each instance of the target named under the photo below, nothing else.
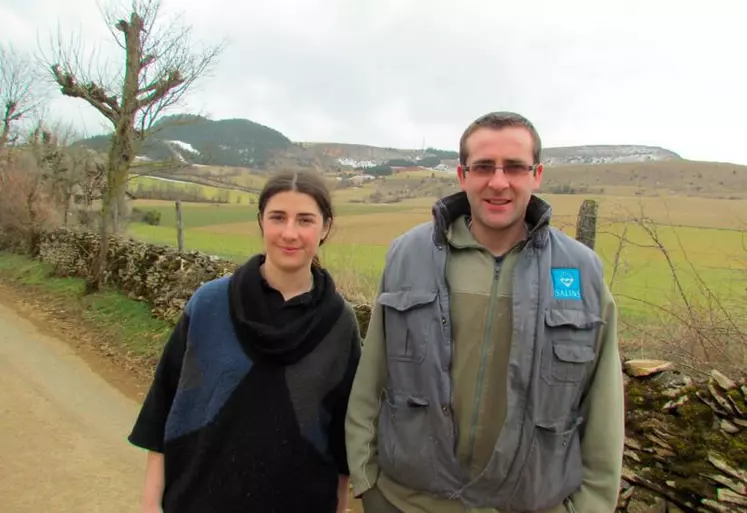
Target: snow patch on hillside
(185, 146)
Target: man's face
(499, 199)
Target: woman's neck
(288, 284)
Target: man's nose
(498, 181)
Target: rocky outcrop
(686, 441)
(605, 154)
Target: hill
(227, 142)
(680, 178)
(237, 153)
(605, 154)
(359, 155)
(195, 139)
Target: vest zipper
(481, 372)
(569, 506)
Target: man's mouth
(498, 202)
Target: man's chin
(498, 223)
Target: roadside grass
(127, 323)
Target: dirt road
(63, 429)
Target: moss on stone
(693, 434)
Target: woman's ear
(325, 231)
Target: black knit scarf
(253, 320)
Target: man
(490, 378)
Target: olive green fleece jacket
(481, 286)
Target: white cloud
(400, 72)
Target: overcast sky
(406, 72)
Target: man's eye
(516, 168)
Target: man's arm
(361, 423)
(604, 435)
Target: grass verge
(121, 327)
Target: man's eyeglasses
(510, 169)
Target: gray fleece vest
(557, 295)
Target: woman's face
(293, 228)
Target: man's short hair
(496, 121)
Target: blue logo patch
(566, 284)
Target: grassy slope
(659, 178)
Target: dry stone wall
(158, 275)
(686, 443)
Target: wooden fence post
(179, 231)
(586, 224)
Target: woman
(247, 408)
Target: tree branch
(93, 93)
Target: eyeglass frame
(525, 168)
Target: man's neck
(288, 284)
(499, 242)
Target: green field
(710, 255)
(206, 191)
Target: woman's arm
(337, 428)
(342, 493)
(153, 488)
(148, 431)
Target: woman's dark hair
(306, 182)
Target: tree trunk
(67, 207)
(121, 151)
(95, 281)
(115, 216)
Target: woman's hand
(154, 481)
(343, 489)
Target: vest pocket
(569, 348)
(405, 448)
(409, 318)
(552, 470)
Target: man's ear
(461, 175)
(538, 176)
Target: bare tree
(160, 65)
(20, 91)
